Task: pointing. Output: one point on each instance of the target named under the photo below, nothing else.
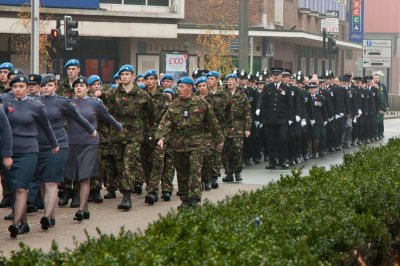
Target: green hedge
(344, 216)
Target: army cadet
(218, 99)
(5, 68)
(276, 111)
(25, 117)
(182, 131)
(239, 123)
(134, 109)
(320, 118)
(69, 189)
(153, 157)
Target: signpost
(331, 23)
(377, 53)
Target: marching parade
(63, 142)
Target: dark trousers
(277, 142)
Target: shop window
(137, 2)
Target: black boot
(207, 185)
(126, 203)
(238, 177)
(228, 178)
(151, 198)
(138, 188)
(96, 196)
(110, 195)
(75, 200)
(45, 222)
(64, 196)
(194, 201)
(166, 196)
(214, 183)
(10, 216)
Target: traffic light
(55, 34)
(71, 33)
(332, 49)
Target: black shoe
(86, 215)
(31, 208)
(13, 229)
(285, 166)
(291, 163)
(126, 203)
(228, 178)
(207, 185)
(53, 221)
(64, 196)
(110, 195)
(184, 205)
(297, 160)
(78, 216)
(238, 178)
(9, 217)
(96, 196)
(151, 198)
(138, 189)
(76, 202)
(45, 222)
(214, 183)
(24, 229)
(166, 196)
(5, 203)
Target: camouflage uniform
(238, 121)
(153, 163)
(135, 111)
(183, 128)
(65, 89)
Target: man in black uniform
(276, 110)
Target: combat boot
(151, 198)
(184, 205)
(110, 195)
(64, 196)
(228, 178)
(214, 183)
(75, 200)
(138, 188)
(238, 178)
(207, 185)
(194, 201)
(96, 197)
(126, 203)
(166, 196)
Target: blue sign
(86, 4)
(356, 29)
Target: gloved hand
(359, 112)
(256, 123)
(312, 122)
(341, 114)
(337, 116)
(325, 123)
(303, 123)
(330, 119)
(260, 126)
(298, 119)
(290, 122)
(257, 112)
(355, 120)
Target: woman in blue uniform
(5, 140)
(51, 167)
(82, 162)
(25, 117)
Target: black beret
(47, 78)
(34, 79)
(80, 79)
(19, 78)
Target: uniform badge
(350, 95)
(292, 92)
(362, 95)
(283, 92)
(185, 114)
(331, 94)
(306, 100)
(11, 109)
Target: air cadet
(134, 109)
(276, 113)
(239, 123)
(182, 131)
(5, 68)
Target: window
(278, 12)
(137, 2)
(303, 66)
(311, 66)
(319, 70)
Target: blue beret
(19, 78)
(6, 65)
(141, 86)
(34, 79)
(231, 76)
(128, 68)
(93, 78)
(138, 77)
(213, 73)
(72, 62)
(116, 76)
(168, 76)
(169, 90)
(186, 80)
(201, 80)
(114, 86)
(47, 78)
(80, 79)
(151, 72)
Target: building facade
(285, 33)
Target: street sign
(377, 53)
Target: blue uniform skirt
(51, 166)
(82, 162)
(22, 171)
